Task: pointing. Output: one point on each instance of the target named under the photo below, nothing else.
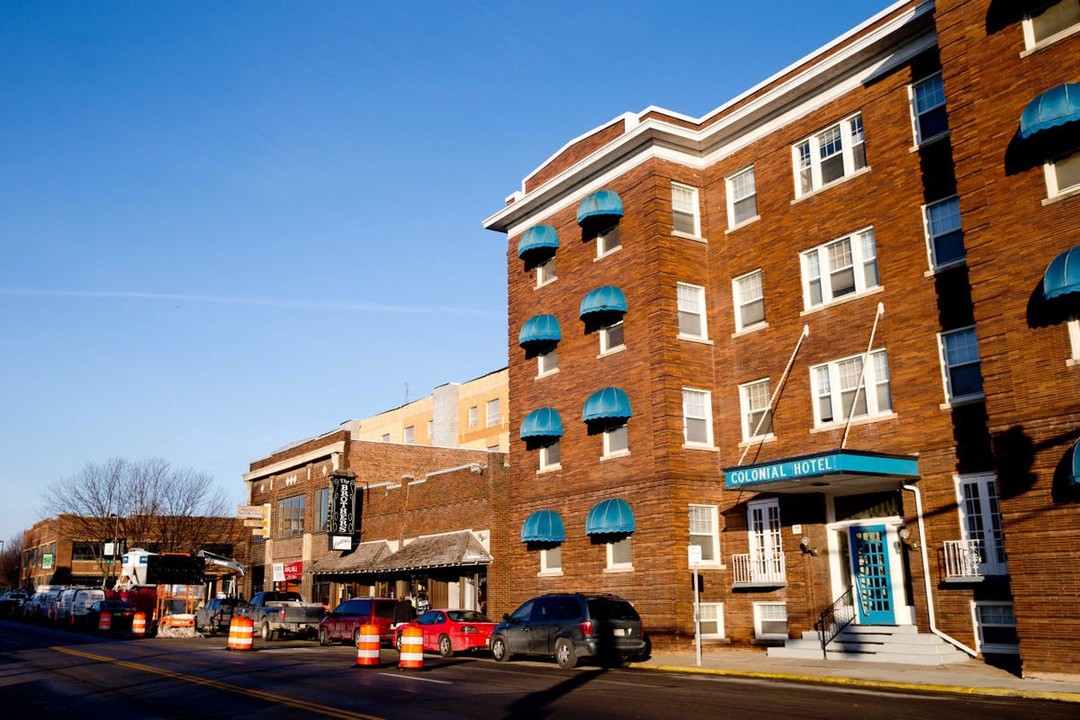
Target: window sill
(695, 339)
(705, 448)
(619, 569)
(609, 253)
(939, 269)
(613, 351)
(549, 373)
(929, 141)
(831, 185)
(1072, 362)
(615, 456)
(1052, 40)
(549, 573)
(865, 420)
(755, 441)
(548, 469)
(962, 401)
(689, 236)
(740, 226)
(1067, 194)
(845, 299)
(748, 330)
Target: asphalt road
(47, 673)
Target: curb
(1069, 697)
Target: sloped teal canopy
(610, 516)
(540, 329)
(543, 526)
(1062, 276)
(1054, 107)
(601, 204)
(536, 238)
(542, 423)
(1074, 464)
(606, 404)
(603, 300)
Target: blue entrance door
(873, 587)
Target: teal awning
(607, 404)
(543, 526)
(542, 423)
(540, 329)
(1074, 464)
(606, 299)
(1054, 107)
(601, 204)
(835, 472)
(610, 516)
(1062, 276)
(537, 238)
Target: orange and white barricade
(367, 646)
(138, 625)
(241, 634)
(104, 623)
(412, 648)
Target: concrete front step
(902, 644)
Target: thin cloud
(250, 302)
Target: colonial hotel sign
(824, 472)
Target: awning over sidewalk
(456, 549)
(835, 472)
(361, 560)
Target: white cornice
(297, 461)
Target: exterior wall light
(905, 538)
(807, 549)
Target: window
(770, 621)
(410, 435)
(290, 516)
(474, 416)
(1057, 18)
(980, 521)
(551, 560)
(492, 412)
(711, 617)
(754, 399)
(616, 441)
(431, 431)
(943, 233)
(697, 417)
(611, 337)
(839, 268)
(685, 214)
(842, 388)
(704, 532)
(1063, 175)
(691, 300)
(386, 437)
(749, 297)
(322, 510)
(960, 360)
(608, 240)
(928, 109)
(549, 456)
(742, 197)
(620, 555)
(545, 271)
(85, 551)
(547, 362)
(1074, 337)
(996, 626)
(834, 153)
(766, 557)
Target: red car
(449, 631)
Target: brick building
(827, 336)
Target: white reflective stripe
(367, 638)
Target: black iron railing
(834, 619)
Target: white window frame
(551, 560)
(491, 412)
(546, 272)
(1050, 171)
(977, 620)
(1030, 41)
(684, 202)
(704, 524)
(936, 226)
(736, 193)
(547, 362)
(747, 409)
(624, 543)
(614, 432)
(712, 613)
(977, 505)
(816, 264)
(937, 100)
(741, 287)
(1074, 340)
(602, 240)
(827, 380)
(544, 456)
(760, 610)
(807, 161)
(410, 435)
(474, 416)
(690, 300)
(763, 527)
(697, 405)
(605, 332)
(946, 366)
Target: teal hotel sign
(809, 468)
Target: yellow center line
(260, 694)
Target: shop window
(846, 266)
(828, 156)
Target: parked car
(80, 602)
(121, 616)
(11, 603)
(572, 626)
(344, 622)
(449, 631)
(216, 615)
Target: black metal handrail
(834, 619)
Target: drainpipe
(926, 577)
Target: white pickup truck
(278, 614)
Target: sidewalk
(972, 678)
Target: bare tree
(11, 562)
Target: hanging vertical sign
(343, 506)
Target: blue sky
(227, 226)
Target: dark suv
(572, 626)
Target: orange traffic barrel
(104, 623)
(241, 634)
(138, 625)
(367, 646)
(412, 648)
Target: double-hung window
(844, 387)
(997, 628)
(608, 240)
(545, 271)
(474, 416)
(1063, 175)
(961, 364)
(711, 620)
(704, 532)
(770, 621)
(749, 297)
(1055, 20)
(928, 109)
(616, 441)
(754, 398)
(741, 197)
(685, 210)
(410, 435)
(492, 412)
(943, 233)
(691, 300)
(830, 155)
(842, 267)
(549, 456)
(547, 362)
(980, 522)
(611, 337)
(697, 417)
